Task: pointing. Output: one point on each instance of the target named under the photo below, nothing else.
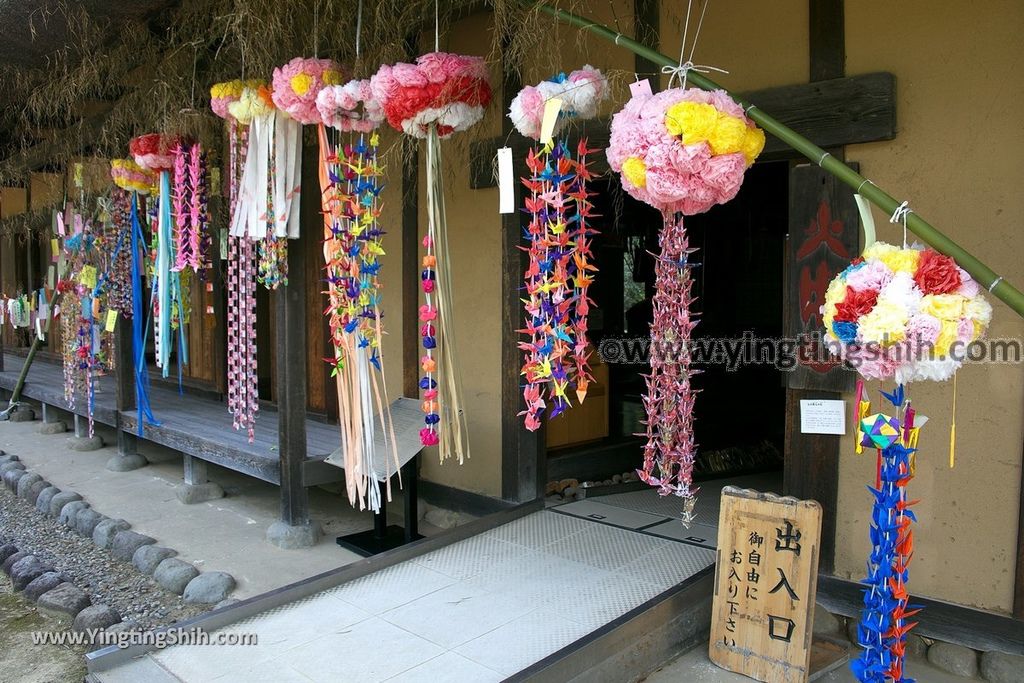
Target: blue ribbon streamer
(140, 329)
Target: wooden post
(124, 383)
(410, 275)
(290, 312)
(523, 455)
(812, 460)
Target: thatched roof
(86, 76)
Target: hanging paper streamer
(140, 326)
(155, 153)
(350, 180)
(682, 151)
(556, 357)
(267, 208)
(438, 95)
(239, 102)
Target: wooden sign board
(765, 585)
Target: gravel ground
(111, 582)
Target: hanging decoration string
(900, 216)
(686, 62)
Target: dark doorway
(738, 282)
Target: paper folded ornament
(879, 431)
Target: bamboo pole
(928, 233)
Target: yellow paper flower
(945, 307)
(728, 136)
(301, 83)
(902, 260)
(947, 335)
(753, 144)
(694, 121)
(885, 324)
(635, 171)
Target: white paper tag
(640, 88)
(822, 417)
(506, 181)
(39, 329)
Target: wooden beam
(827, 40)
(973, 628)
(290, 311)
(839, 111)
(523, 455)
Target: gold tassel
(952, 429)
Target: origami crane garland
(350, 181)
(670, 449)
(118, 280)
(85, 350)
(191, 213)
(556, 357)
(243, 391)
(682, 151)
(884, 623)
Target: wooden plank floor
(196, 425)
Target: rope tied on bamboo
(686, 67)
(900, 216)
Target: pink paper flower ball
(297, 84)
(441, 89)
(581, 92)
(350, 107)
(683, 150)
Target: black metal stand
(383, 537)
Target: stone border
(958, 660)
(114, 535)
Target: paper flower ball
(441, 89)
(906, 314)
(581, 92)
(297, 84)
(683, 149)
(153, 151)
(128, 175)
(253, 102)
(223, 94)
(350, 107)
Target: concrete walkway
(478, 610)
(223, 535)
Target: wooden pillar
(290, 312)
(812, 460)
(124, 383)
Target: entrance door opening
(739, 286)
